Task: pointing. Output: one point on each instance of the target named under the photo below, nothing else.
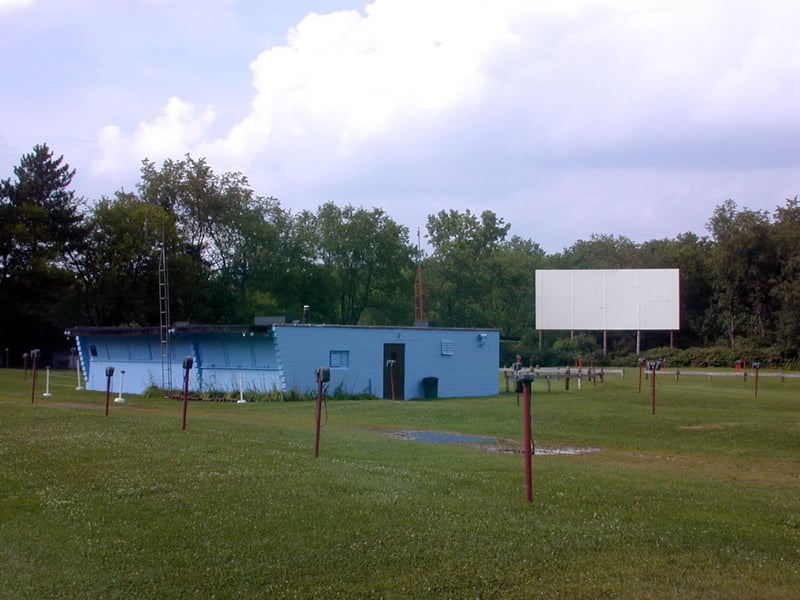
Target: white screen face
(608, 300)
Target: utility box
(322, 375)
(430, 387)
(525, 377)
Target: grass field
(699, 500)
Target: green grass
(698, 501)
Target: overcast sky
(567, 118)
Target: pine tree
(41, 232)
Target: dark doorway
(394, 369)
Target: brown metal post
(653, 388)
(390, 371)
(109, 375)
(526, 388)
(108, 393)
(756, 383)
(185, 399)
(319, 416)
(187, 366)
(34, 356)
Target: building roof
(260, 326)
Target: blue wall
(469, 367)
(138, 356)
(220, 360)
(465, 361)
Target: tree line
(233, 255)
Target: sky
(566, 118)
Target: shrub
(153, 392)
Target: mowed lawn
(700, 500)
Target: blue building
(388, 362)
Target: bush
(564, 352)
(277, 396)
(153, 392)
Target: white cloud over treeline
(612, 104)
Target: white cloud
(484, 103)
(344, 76)
(579, 76)
(177, 129)
(10, 4)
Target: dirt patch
(77, 405)
(441, 437)
(549, 450)
(503, 446)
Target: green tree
(691, 255)
(231, 255)
(42, 233)
(42, 223)
(207, 211)
(512, 297)
(461, 271)
(599, 252)
(367, 264)
(745, 263)
(271, 267)
(119, 269)
(786, 292)
(193, 195)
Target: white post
(76, 357)
(121, 379)
(241, 392)
(47, 385)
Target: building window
(339, 359)
(447, 347)
(93, 350)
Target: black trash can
(430, 387)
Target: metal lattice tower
(419, 290)
(164, 325)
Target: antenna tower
(164, 325)
(419, 289)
